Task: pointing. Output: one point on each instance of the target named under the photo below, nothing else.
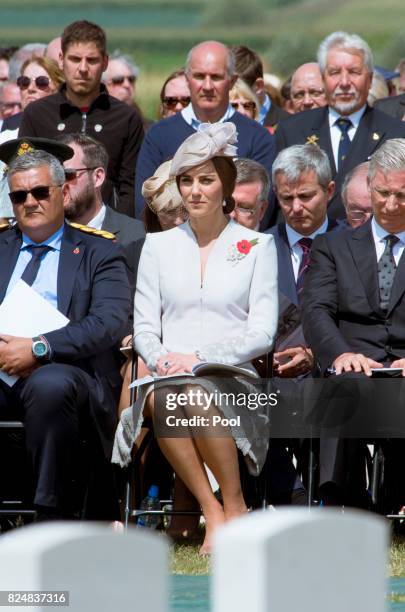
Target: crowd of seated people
(177, 236)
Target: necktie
(344, 126)
(386, 271)
(31, 270)
(305, 244)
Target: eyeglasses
(312, 93)
(42, 82)
(72, 173)
(383, 195)
(248, 106)
(171, 102)
(9, 105)
(359, 215)
(248, 212)
(41, 192)
(118, 80)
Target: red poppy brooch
(238, 251)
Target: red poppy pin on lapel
(76, 251)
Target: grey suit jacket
(394, 106)
(130, 234)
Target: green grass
(186, 560)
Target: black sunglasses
(118, 80)
(42, 82)
(249, 106)
(41, 192)
(171, 102)
(71, 173)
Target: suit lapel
(320, 135)
(10, 249)
(287, 284)
(72, 251)
(109, 223)
(362, 246)
(398, 286)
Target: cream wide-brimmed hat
(211, 140)
(160, 190)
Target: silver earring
(224, 204)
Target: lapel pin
(76, 251)
(376, 136)
(61, 127)
(312, 139)
(98, 127)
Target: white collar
(98, 220)
(354, 117)
(191, 118)
(294, 237)
(379, 233)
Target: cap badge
(24, 148)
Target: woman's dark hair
(151, 221)
(227, 173)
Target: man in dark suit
(347, 129)
(85, 176)
(394, 106)
(354, 295)
(69, 379)
(302, 181)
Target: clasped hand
(299, 361)
(172, 363)
(356, 362)
(16, 358)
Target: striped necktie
(305, 244)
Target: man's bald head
(210, 73)
(54, 49)
(307, 90)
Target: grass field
(158, 33)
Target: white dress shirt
(97, 221)
(379, 234)
(296, 249)
(335, 132)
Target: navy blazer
(341, 306)
(93, 292)
(286, 279)
(375, 127)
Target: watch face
(39, 349)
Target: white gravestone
(103, 571)
(295, 560)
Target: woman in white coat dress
(207, 291)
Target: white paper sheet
(25, 313)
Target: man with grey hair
(354, 295)
(347, 129)
(302, 181)
(210, 74)
(356, 196)
(251, 193)
(120, 77)
(68, 379)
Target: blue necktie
(344, 126)
(31, 270)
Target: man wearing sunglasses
(68, 379)
(85, 174)
(83, 105)
(210, 72)
(120, 78)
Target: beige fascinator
(160, 190)
(211, 140)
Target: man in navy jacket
(69, 378)
(210, 74)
